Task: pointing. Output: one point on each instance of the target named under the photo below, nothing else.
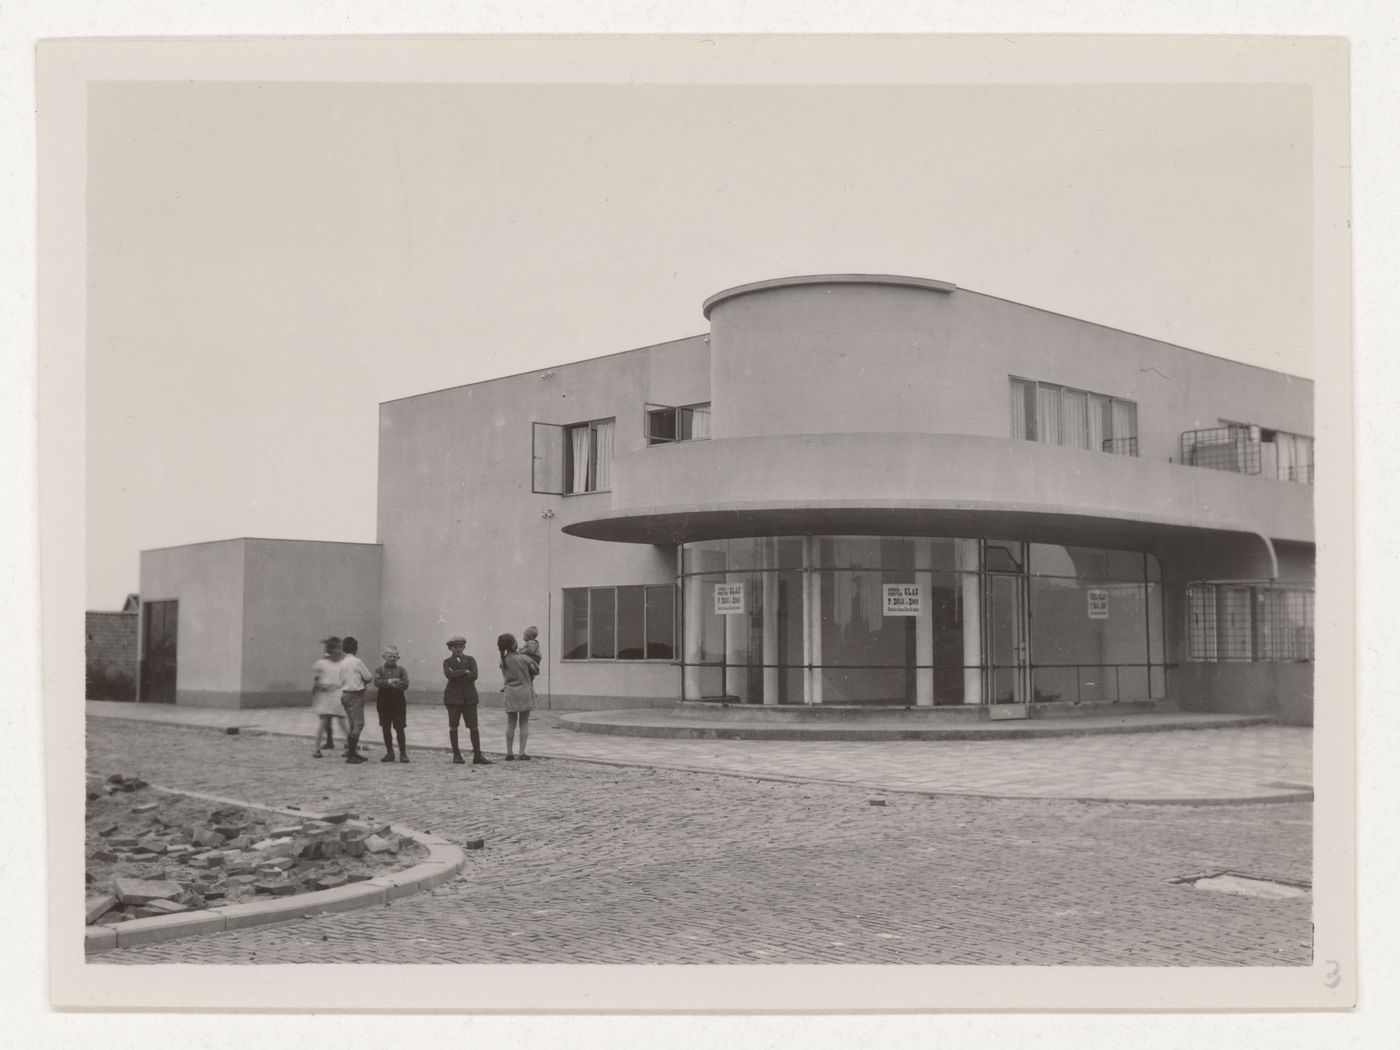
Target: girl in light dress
(519, 671)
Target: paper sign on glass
(1098, 605)
(729, 598)
(903, 599)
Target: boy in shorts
(391, 681)
(354, 677)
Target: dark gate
(161, 629)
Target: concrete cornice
(828, 278)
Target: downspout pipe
(1273, 555)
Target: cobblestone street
(604, 864)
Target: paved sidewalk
(1228, 765)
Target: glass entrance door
(1008, 657)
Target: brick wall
(111, 655)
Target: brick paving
(599, 863)
(1257, 762)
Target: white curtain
(1124, 426)
(1304, 448)
(1018, 410)
(1048, 408)
(1098, 406)
(1286, 457)
(700, 422)
(857, 597)
(1073, 424)
(578, 438)
(603, 477)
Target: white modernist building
(852, 490)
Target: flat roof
(258, 539)
(897, 280)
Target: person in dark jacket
(391, 702)
(461, 700)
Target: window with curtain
(1294, 455)
(1059, 415)
(588, 457)
(666, 424)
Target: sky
(268, 262)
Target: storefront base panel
(1283, 691)
(584, 702)
(491, 699)
(239, 701)
(711, 711)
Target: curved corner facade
(868, 490)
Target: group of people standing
(341, 680)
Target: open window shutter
(658, 429)
(548, 449)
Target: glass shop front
(906, 621)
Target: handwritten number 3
(1334, 974)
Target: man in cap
(461, 700)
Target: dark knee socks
(476, 741)
(403, 747)
(452, 735)
(389, 740)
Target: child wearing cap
(325, 692)
(391, 681)
(461, 699)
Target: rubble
(143, 891)
(99, 906)
(159, 907)
(160, 857)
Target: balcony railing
(1250, 450)
(1125, 446)
(1221, 448)
(1302, 473)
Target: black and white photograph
(812, 523)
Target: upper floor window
(1061, 415)
(573, 458)
(666, 425)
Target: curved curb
(935, 792)
(443, 861)
(595, 722)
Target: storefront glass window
(906, 621)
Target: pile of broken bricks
(232, 856)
